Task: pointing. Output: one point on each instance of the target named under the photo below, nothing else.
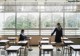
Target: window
(27, 20)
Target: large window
(39, 19)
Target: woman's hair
(59, 26)
(22, 30)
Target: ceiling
(37, 0)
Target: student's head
(58, 25)
(22, 31)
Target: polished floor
(35, 52)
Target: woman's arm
(53, 32)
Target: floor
(35, 52)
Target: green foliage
(10, 22)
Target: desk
(66, 43)
(75, 48)
(13, 49)
(44, 38)
(64, 38)
(12, 39)
(46, 48)
(23, 43)
(4, 42)
(43, 42)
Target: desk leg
(70, 51)
(75, 53)
(52, 53)
(20, 51)
(25, 51)
(39, 52)
(62, 49)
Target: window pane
(57, 18)
(1, 23)
(1, 8)
(29, 32)
(27, 20)
(46, 20)
(9, 8)
(27, 8)
(71, 20)
(53, 8)
(9, 21)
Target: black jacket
(59, 34)
(22, 37)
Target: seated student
(22, 36)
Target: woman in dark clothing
(22, 36)
(59, 33)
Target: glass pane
(9, 8)
(46, 20)
(9, 21)
(29, 32)
(57, 18)
(27, 8)
(27, 20)
(53, 8)
(70, 8)
(71, 20)
(1, 8)
(46, 32)
(1, 23)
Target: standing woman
(59, 33)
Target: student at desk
(22, 36)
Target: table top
(5, 41)
(22, 42)
(75, 46)
(11, 38)
(64, 38)
(44, 38)
(67, 42)
(44, 41)
(47, 47)
(13, 48)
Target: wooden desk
(75, 48)
(12, 39)
(23, 43)
(13, 49)
(67, 43)
(46, 48)
(4, 42)
(64, 38)
(44, 38)
(43, 42)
